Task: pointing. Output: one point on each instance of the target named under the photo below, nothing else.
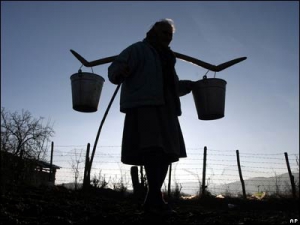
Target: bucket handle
(205, 77)
(80, 71)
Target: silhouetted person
(150, 98)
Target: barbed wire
(221, 167)
(188, 148)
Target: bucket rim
(213, 78)
(87, 73)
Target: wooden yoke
(195, 61)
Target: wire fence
(261, 172)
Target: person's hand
(191, 84)
(185, 87)
(188, 85)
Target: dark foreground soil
(57, 205)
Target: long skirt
(152, 128)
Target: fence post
(142, 176)
(86, 175)
(240, 173)
(51, 160)
(290, 174)
(169, 184)
(134, 172)
(204, 172)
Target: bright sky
(262, 96)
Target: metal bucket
(209, 97)
(86, 91)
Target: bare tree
(23, 135)
(75, 166)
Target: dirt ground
(57, 205)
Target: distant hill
(271, 185)
(278, 184)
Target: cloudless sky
(262, 96)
